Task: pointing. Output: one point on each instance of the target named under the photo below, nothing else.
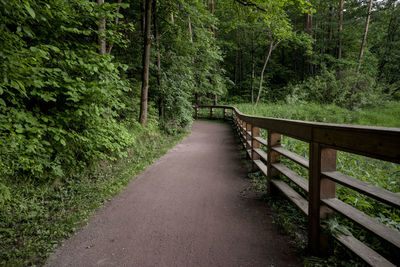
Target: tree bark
(190, 30)
(308, 30)
(271, 46)
(115, 23)
(340, 27)
(158, 60)
(364, 36)
(145, 62)
(330, 31)
(252, 68)
(102, 28)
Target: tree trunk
(235, 68)
(340, 27)
(271, 46)
(143, 16)
(115, 22)
(102, 28)
(308, 30)
(190, 30)
(252, 68)
(158, 60)
(330, 31)
(145, 62)
(365, 36)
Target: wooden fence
(324, 141)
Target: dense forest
(85, 85)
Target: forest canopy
(77, 75)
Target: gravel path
(184, 210)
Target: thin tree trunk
(365, 36)
(308, 30)
(190, 30)
(158, 60)
(143, 16)
(339, 55)
(330, 31)
(271, 45)
(212, 9)
(145, 63)
(252, 68)
(115, 22)
(102, 28)
(235, 68)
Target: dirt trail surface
(186, 209)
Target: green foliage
(39, 216)
(350, 91)
(59, 97)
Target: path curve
(184, 210)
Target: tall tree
(340, 28)
(364, 36)
(102, 28)
(145, 61)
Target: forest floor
(186, 209)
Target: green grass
(376, 172)
(37, 217)
(386, 115)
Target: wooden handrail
(324, 140)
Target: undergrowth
(38, 216)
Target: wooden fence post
(255, 132)
(321, 159)
(196, 112)
(248, 137)
(211, 113)
(274, 139)
(224, 113)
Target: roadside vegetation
(36, 216)
(91, 92)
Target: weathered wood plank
(364, 252)
(261, 140)
(364, 220)
(291, 175)
(378, 193)
(261, 166)
(292, 195)
(262, 154)
(293, 156)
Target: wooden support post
(243, 133)
(196, 112)
(274, 139)
(321, 159)
(211, 113)
(255, 132)
(248, 137)
(224, 113)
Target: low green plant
(40, 215)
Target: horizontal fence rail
(324, 141)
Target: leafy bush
(59, 97)
(352, 90)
